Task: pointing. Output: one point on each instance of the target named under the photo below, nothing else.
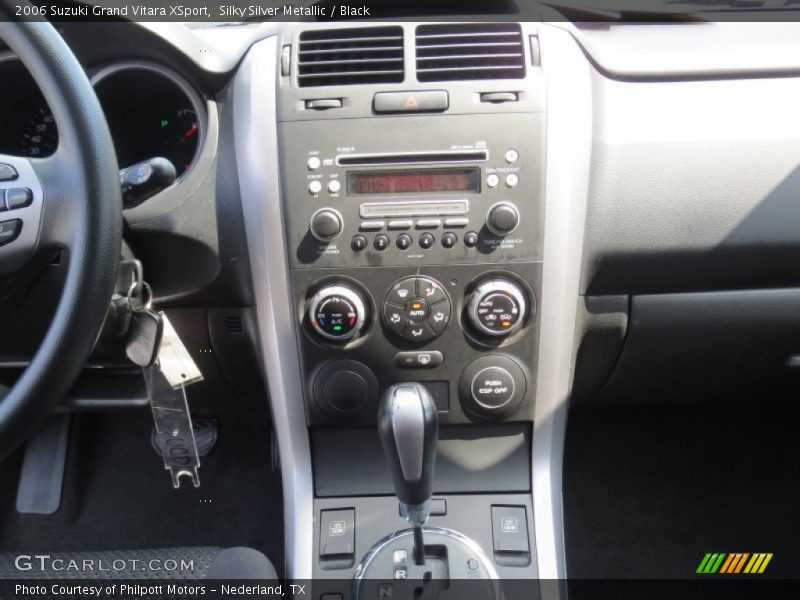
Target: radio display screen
(413, 181)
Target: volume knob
(502, 218)
(326, 224)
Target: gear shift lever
(409, 429)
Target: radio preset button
(426, 240)
(372, 225)
(471, 239)
(449, 239)
(381, 242)
(456, 222)
(401, 224)
(511, 155)
(493, 180)
(358, 243)
(404, 241)
(315, 186)
(313, 163)
(429, 223)
(512, 179)
(334, 185)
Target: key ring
(147, 292)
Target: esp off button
(492, 387)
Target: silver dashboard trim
(256, 146)
(569, 144)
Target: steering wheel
(74, 205)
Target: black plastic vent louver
(350, 56)
(470, 51)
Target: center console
(409, 214)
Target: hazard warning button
(417, 101)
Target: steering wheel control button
(492, 386)
(7, 173)
(326, 224)
(337, 312)
(449, 239)
(497, 308)
(18, 198)
(418, 360)
(404, 241)
(426, 240)
(381, 242)
(471, 239)
(9, 231)
(417, 309)
(358, 243)
(502, 218)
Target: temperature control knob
(502, 218)
(326, 224)
(337, 312)
(497, 307)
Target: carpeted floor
(649, 490)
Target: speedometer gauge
(39, 136)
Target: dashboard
(589, 227)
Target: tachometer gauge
(180, 138)
(39, 136)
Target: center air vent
(470, 51)
(350, 56)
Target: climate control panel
(417, 309)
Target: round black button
(471, 239)
(492, 387)
(417, 310)
(503, 218)
(381, 242)
(404, 241)
(345, 388)
(345, 391)
(449, 239)
(426, 240)
(358, 243)
(326, 224)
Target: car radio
(413, 190)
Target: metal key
(144, 337)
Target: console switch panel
(510, 530)
(337, 536)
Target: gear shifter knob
(409, 429)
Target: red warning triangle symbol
(410, 103)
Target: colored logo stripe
(733, 563)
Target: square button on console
(337, 537)
(510, 529)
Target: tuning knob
(337, 312)
(502, 218)
(497, 307)
(326, 224)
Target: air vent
(234, 324)
(470, 51)
(350, 56)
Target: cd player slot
(411, 158)
(422, 208)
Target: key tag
(168, 368)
